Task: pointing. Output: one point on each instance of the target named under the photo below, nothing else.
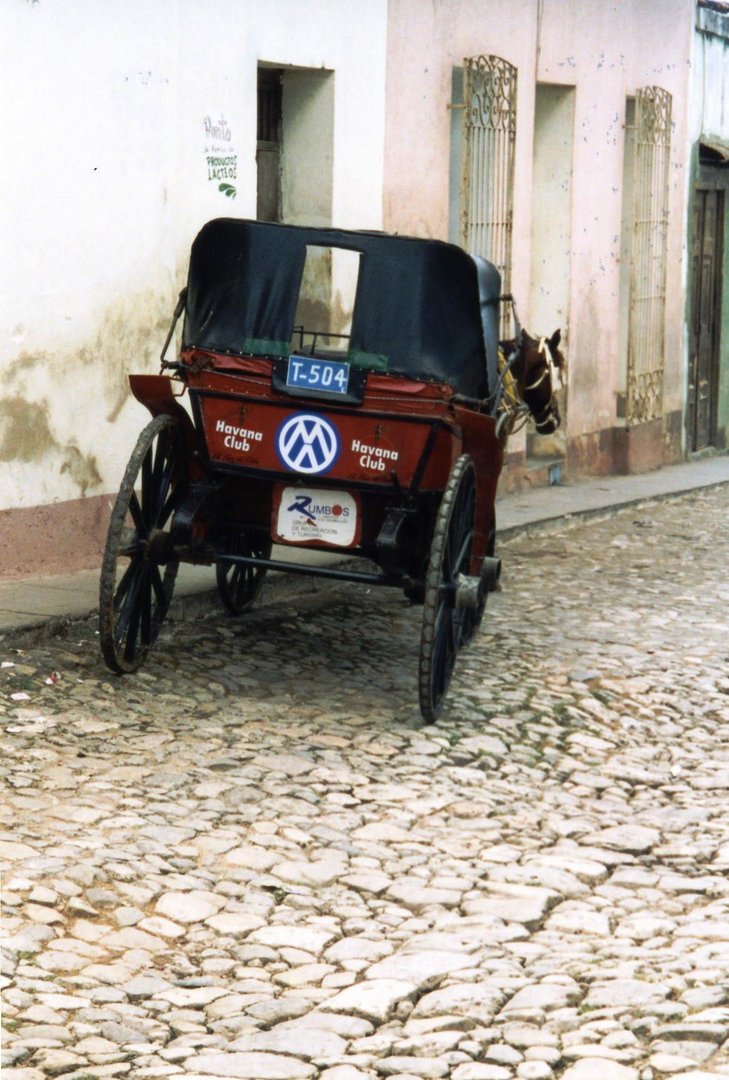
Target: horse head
(535, 363)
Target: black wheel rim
(238, 584)
(446, 627)
(139, 569)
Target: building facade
(581, 145)
(707, 308)
(131, 125)
(551, 136)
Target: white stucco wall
(710, 86)
(106, 184)
(606, 50)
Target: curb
(543, 524)
(281, 587)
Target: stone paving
(251, 859)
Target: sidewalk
(34, 602)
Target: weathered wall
(116, 110)
(723, 402)
(709, 120)
(710, 97)
(606, 50)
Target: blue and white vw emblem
(307, 443)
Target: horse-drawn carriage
(384, 443)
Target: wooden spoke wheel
(445, 626)
(238, 584)
(139, 567)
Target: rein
(514, 410)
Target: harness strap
(543, 423)
(540, 380)
(517, 321)
(550, 369)
(511, 409)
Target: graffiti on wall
(220, 157)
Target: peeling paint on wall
(81, 468)
(26, 436)
(55, 405)
(130, 338)
(127, 164)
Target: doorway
(551, 238)
(295, 145)
(551, 234)
(268, 145)
(705, 317)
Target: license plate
(310, 373)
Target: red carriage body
(383, 446)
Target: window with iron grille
(651, 146)
(488, 139)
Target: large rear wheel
(445, 624)
(139, 567)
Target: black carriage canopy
(422, 308)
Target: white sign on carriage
(316, 514)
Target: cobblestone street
(252, 860)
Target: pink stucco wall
(606, 49)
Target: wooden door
(705, 317)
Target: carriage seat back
(489, 295)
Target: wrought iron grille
(487, 179)
(270, 92)
(646, 338)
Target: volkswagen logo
(307, 443)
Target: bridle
(550, 371)
(514, 411)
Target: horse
(527, 375)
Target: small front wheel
(139, 567)
(239, 584)
(445, 625)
